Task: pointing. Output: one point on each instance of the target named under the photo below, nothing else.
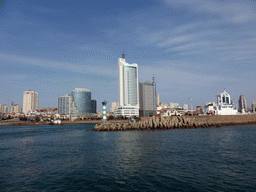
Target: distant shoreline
(4, 123)
(215, 120)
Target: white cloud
(176, 40)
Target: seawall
(176, 122)
(221, 119)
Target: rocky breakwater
(173, 122)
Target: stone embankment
(174, 122)
(177, 122)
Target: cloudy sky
(194, 48)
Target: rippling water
(74, 158)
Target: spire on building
(153, 78)
(123, 55)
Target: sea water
(74, 158)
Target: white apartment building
(30, 100)
(128, 89)
(4, 109)
(15, 109)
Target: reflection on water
(69, 157)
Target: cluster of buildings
(226, 106)
(135, 99)
(79, 102)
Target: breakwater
(177, 122)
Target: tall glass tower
(128, 89)
(82, 100)
(128, 83)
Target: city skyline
(193, 48)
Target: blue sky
(193, 48)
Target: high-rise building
(113, 106)
(242, 104)
(157, 100)
(30, 100)
(64, 104)
(94, 106)
(128, 83)
(147, 98)
(128, 89)
(82, 100)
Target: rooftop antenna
(123, 55)
(153, 79)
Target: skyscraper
(147, 98)
(128, 89)
(82, 100)
(242, 104)
(30, 100)
(128, 83)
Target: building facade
(94, 106)
(30, 100)
(113, 106)
(82, 100)
(64, 104)
(128, 88)
(157, 100)
(147, 98)
(242, 104)
(15, 108)
(4, 109)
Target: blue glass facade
(82, 100)
(130, 85)
(94, 106)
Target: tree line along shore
(177, 122)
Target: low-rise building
(224, 105)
